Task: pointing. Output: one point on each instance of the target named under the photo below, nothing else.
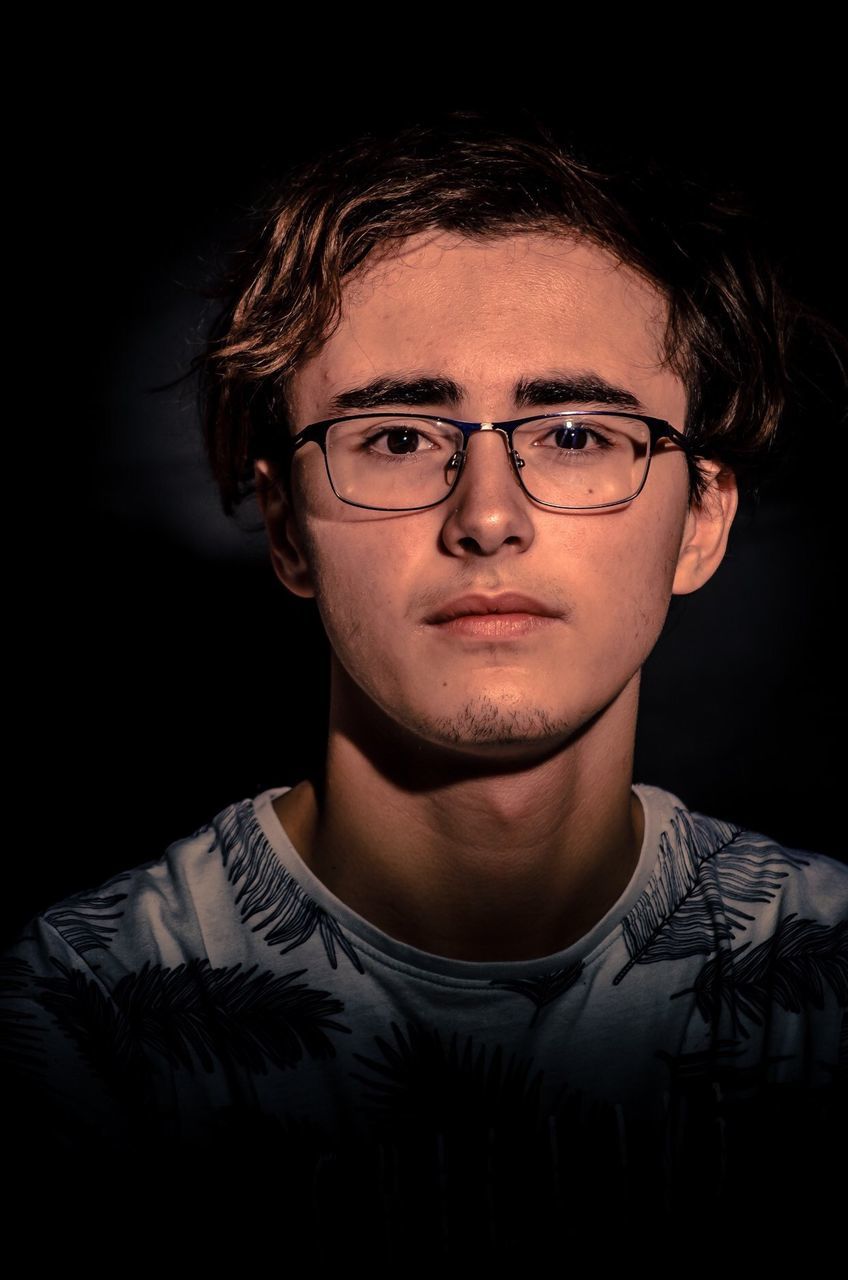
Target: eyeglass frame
(659, 428)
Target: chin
(492, 723)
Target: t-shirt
(218, 1009)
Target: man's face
(486, 315)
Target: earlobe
(285, 538)
(706, 530)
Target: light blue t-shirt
(219, 1008)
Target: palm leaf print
(701, 1070)
(422, 1080)
(473, 1153)
(89, 1018)
(702, 863)
(82, 918)
(730, 1130)
(290, 915)
(792, 968)
(194, 1010)
(35, 1106)
(190, 1014)
(542, 990)
(461, 1123)
(19, 1039)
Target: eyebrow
(560, 387)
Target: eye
(399, 440)
(574, 437)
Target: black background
(164, 672)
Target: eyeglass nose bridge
(457, 461)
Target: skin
(477, 800)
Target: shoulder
(736, 880)
(157, 912)
(752, 863)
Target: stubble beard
(486, 719)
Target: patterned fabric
(220, 1010)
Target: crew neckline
(658, 807)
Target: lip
(478, 604)
(496, 626)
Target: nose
(487, 507)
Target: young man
(496, 407)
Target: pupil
(407, 433)
(571, 432)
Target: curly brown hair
(733, 322)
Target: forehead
(485, 312)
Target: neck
(471, 859)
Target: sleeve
(65, 1063)
(81, 1153)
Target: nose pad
(454, 468)
(455, 464)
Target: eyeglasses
(575, 461)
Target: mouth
(495, 626)
(509, 608)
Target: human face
(486, 314)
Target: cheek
(357, 593)
(626, 593)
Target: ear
(707, 529)
(285, 538)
